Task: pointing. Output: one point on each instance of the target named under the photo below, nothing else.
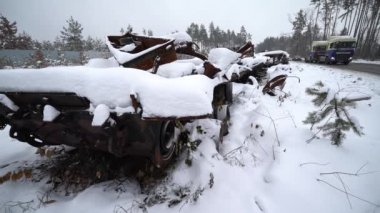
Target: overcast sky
(43, 19)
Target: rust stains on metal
(187, 48)
(167, 52)
(246, 50)
(278, 81)
(210, 70)
(145, 61)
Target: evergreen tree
(193, 31)
(212, 34)
(203, 35)
(72, 35)
(242, 36)
(299, 25)
(89, 43)
(58, 43)
(129, 29)
(47, 45)
(150, 33)
(83, 58)
(37, 45)
(218, 38)
(24, 41)
(234, 39)
(61, 61)
(99, 45)
(8, 32)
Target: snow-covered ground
(263, 165)
(363, 61)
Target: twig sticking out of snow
(345, 190)
(314, 163)
(274, 125)
(357, 173)
(352, 195)
(232, 151)
(259, 204)
(10, 206)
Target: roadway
(361, 67)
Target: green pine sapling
(332, 118)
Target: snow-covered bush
(5, 62)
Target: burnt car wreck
(42, 115)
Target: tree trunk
(358, 7)
(360, 18)
(337, 9)
(316, 23)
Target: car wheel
(165, 147)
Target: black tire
(3, 122)
(327, 60)
(164, 150)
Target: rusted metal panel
(187, 48)
(246, 50)
(210, 70)
(126, 134)
(278, 81)
(60, 100)
(166, 51)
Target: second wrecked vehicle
(125, 111)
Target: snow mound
(175, 69)
(274, 52)
(223, 57)
(179, 37)
(179, 97)
(251, 62)
(102, 63)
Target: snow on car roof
(274, 52)
(160, 97)
(341, 38)
(178, 37)
(319, 43)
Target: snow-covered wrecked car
(276, 57)
(125, 110)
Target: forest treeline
(357, 18)
(217, 37)
(70, 38)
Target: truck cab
(318, 51)
(340, 49)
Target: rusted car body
(123, 135)
(127, 134)
(276, 57)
